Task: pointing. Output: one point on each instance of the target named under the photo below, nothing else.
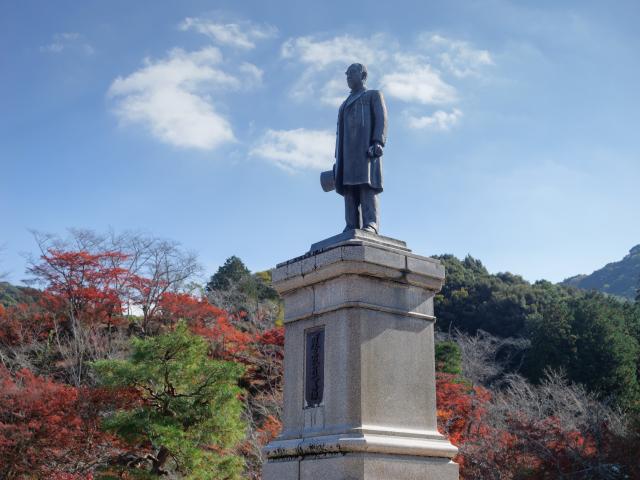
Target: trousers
(361, 207)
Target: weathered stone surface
(420, 266)
(377, 418)
(377, 369)
(281, 470)
(364, 253)
(358, 235)
(363, 466)
(308, 265)
(300, 303)
(361, 258)
(351, 290)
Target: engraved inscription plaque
(314, 368)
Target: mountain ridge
(620, 278)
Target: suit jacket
(362, 120)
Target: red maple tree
(82, 286)
(48, 429)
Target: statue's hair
(363, 70)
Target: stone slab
(358, 235)
(429, 444)
(377, 370)
(358, 291)
(362, 259)
(281, 470)
(361, 466)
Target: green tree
(607, 354)
(234, 275)
(593, 337)
(248, 297)
(473, 299)
(550, 330)
(232, 272)
(189, 410)
(448, 358)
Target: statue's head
(356, 76)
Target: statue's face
(354, 77)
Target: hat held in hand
(328, 181)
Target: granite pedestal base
(362, 466)
(359, 384)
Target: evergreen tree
(550, 330)
(188, 409)
(231, 273)
(244, 295)
(448, 358)
(606, 354)
(591, 336)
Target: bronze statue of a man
(360, 138)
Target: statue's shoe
(370, 228)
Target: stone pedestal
(359, 385)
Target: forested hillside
(617, 278)
(592, 337)
(123, 364)
(12, 294)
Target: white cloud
(325, 62)
(252, 73)
(333, 92)
(457, 56)
(416, 81)
(404, 75)
(240, 35)
(68, 41)
(297, 149)
(172, 98)
(425, 73)
(343, 50)
(439, 120)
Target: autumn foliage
(82, 285)
(100, 296)
(554, 430)
(460, 408)
(48, 429)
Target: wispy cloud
(172, 97)
(325, 62)
(439, 120)
(416, 81)
(68, 41)
(423, 73)
(457, 56)
(297, 149)
(319, 54)
(243, 35)
(252, 73)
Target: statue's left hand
(375, 150)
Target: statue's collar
(354, 96)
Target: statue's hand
(375, 150)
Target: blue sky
(514, 126)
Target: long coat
(362, 120)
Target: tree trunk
(159, 461)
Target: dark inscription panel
(314, 368)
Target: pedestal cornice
(359, 255)
(434, 445)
